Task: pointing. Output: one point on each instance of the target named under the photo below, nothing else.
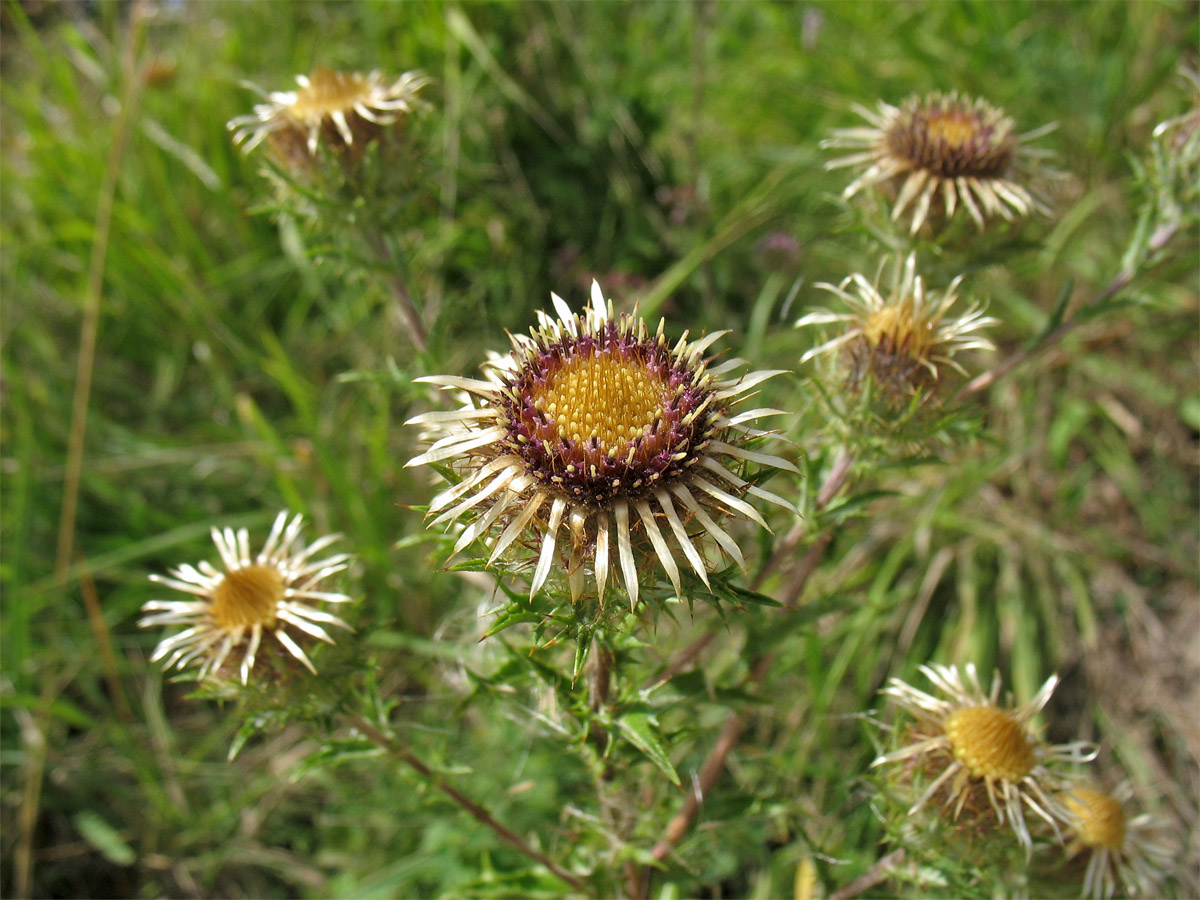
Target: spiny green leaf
(641, 730)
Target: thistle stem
(873, 876)
(408, 309)
(731, 731)
(477, 812)
(600, 670)
(132, 84)
(1123, 279)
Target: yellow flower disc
(1101, 820)
(329, 92)
(247, 596)
(609, 397)
(952, 126)
(990, 743)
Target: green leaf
(850, 504)
(1056, 315)
(640, 729)
(104, 838)
(1189, 412)
(510, 617)
(334, 753)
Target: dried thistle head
(941, 152)
(1120, 850)
(232, 606)
(345, 110)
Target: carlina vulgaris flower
(233, 606)
(346, 109)
(941, 151)
(1121, 850)
(980, 745)
(901, 340)
(598, 436)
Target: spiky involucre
(599, 438)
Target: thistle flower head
(938, 152)
(974, 744)
(346, 109)
(1120, 851)
(900, 341)
(232, 606)
(601, 437)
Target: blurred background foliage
(669, 150)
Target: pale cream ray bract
(589, 436)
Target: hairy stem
(477, 812)
(399, 290)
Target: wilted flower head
(598, 436)
(233, 605)
(346, 109)
(940, 151)
(980, 746)
(903, 339)
(1120, 849)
